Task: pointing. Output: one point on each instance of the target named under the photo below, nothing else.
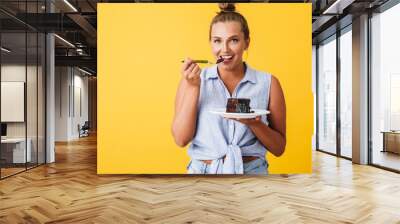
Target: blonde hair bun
(227, 7)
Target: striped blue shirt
(217, 137)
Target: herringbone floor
(69, 191)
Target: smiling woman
(228, 146)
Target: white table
(18, 144)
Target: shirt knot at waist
(231, 163)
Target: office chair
(84, 130)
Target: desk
(15, 148)
(391, 141)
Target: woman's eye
(235, 40)
(217, 41)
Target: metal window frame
(387, 5)
(336, 38)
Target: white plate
(257, 112)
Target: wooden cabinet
(391, 141)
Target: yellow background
(140, 47)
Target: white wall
(62, 81)
(12, 101)
(81, 84)
(16, 73)
(71, 93)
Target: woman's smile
(227, 58)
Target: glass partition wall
(334, 86)
(22, 88)
(385, 89)
(327, 95)
(13, 109)
(345, 62)
(334, 93)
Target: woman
(228, 146)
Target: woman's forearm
(274, 141)
(184, 123)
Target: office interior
(354, 67)
(48, 80)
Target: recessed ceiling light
(84, 71)
(64, 40)
(5, 50)
(71, 6)
(338, 6)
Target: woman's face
(228, 42)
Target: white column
(50, 110)
(50, 92)
(360, 90)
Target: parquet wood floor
(70, 191)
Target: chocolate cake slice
(238, 105)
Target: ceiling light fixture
(71, 6)
(5, 50)
(84, 71)
(65, 41)
(337, 7)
